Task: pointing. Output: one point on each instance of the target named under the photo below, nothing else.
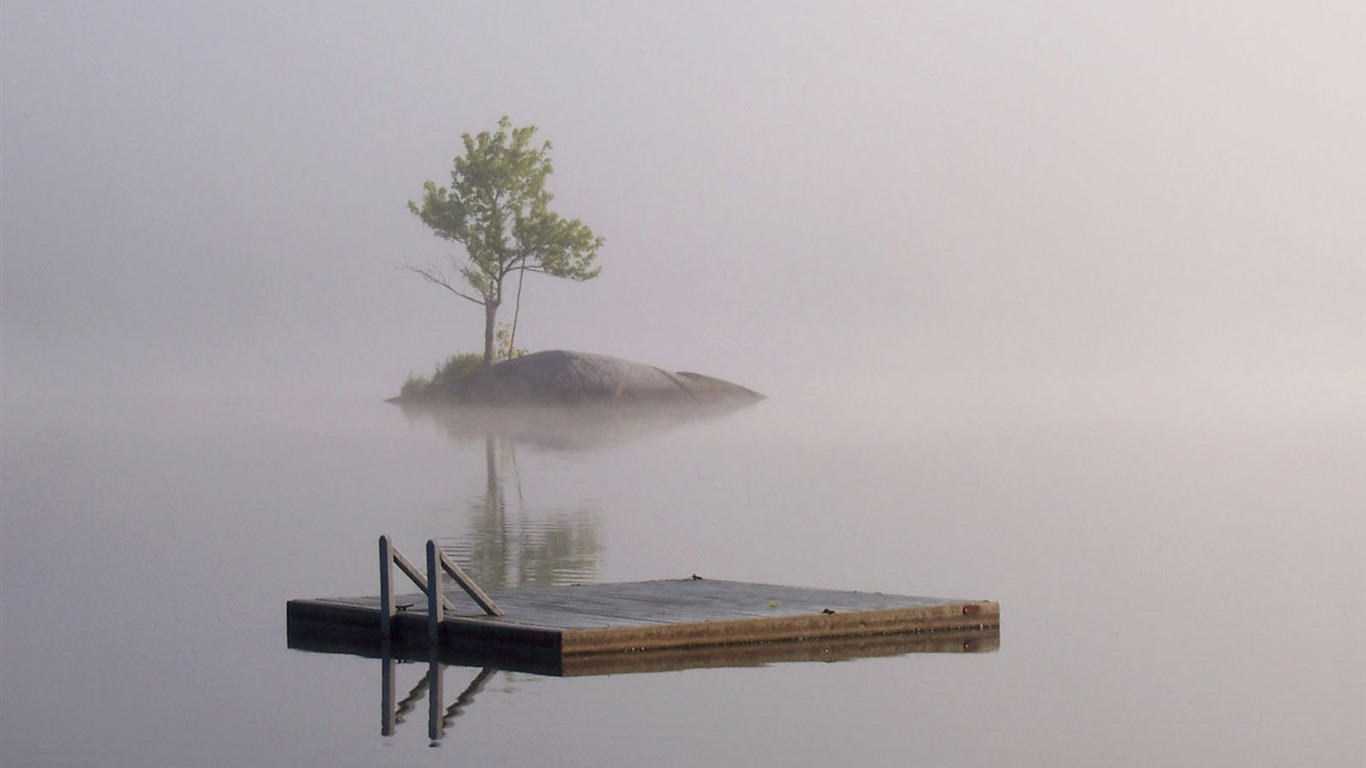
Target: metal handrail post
(434, 596)
(389, 556)
(386, 589)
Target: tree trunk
(490, 319)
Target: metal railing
(429, 583)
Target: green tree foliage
(498, 208)
(504, 348)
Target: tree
(498, 208)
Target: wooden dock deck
(569, 626)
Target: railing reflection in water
(432, 686)
(441, 716)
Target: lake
(1175, 589)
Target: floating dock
(316, 638)
(659, 617)
(561, 624)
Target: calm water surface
(1174, 591)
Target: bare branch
(432, 276)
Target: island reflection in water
(569, 427)
(510, 544)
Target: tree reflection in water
(508, 544)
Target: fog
(1056, 304)
(1050, 208)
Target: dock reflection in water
(441, 716)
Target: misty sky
(1041, 203)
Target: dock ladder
(437, 563)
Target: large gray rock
(557, 377)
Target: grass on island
(459, 366)
(456, 367)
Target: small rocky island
(558, 377)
